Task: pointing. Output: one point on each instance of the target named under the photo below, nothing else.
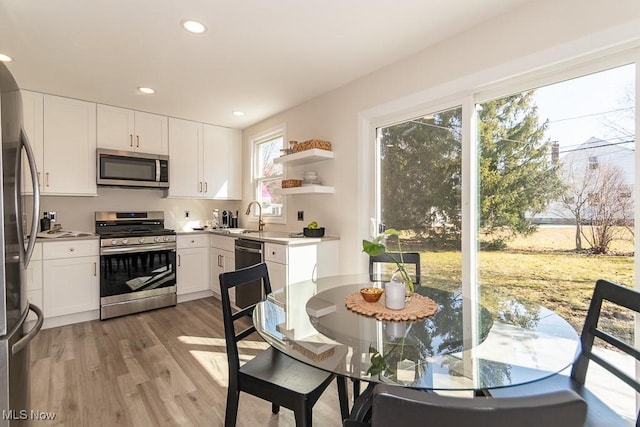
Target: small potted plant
(377, 247)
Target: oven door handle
(134, 249)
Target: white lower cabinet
(223, 259)
(71, 282)
(193, 263)
(34, 280)
(277, 275)
(289, 264)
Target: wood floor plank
(165, 367)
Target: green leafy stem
(376, 247)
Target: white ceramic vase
(394, 295)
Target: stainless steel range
(137, 262)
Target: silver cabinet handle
(95, 269)
(179, 261)
(200, 187)
(206, 187)
(130, 140)
(38, 179)
(138, 141)
(46, 179)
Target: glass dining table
(464, 346)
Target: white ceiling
(257, 56)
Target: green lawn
(542, 268)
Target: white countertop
(67, 238)
(280, 237)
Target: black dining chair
(411, 258)
(599, 414)
(392, 405)
(271, 375)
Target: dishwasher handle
(251, 250)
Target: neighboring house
(579, 168)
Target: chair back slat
(228, 281)
(615, 371)
(245, 333)
(598, 333)
(619, 296)
(391, 258)
(245, 312)
(394, 405)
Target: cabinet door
(33, 122)
(69, 146)
(234, 160)
(151, 133)
(185, 142)
(217, 266)
(34, 285)
(277, 275)
(222, 168)
(193, 270)
(214, 168)
(70, 285)
(221, 261)
(115, 128)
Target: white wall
(540, 34)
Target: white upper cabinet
(33, 123)
(204, 160)
(69, 166)
(122, 129)
(185, 158)
(222, 169)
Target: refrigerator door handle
(24, 142)
(22, 342)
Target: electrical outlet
(300, 215)
(186, 214)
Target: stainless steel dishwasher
(248, 253)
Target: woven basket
(290, 183)
(312, 143)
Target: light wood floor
(159, 368)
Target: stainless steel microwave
(132, 169)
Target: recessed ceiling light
(238, 113)
(5, 58)
(146, 90)
(194, 26)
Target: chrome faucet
(260, 221)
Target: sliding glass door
(529, 192)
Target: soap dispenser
(45, 222)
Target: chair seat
(598, 413)
(277, 369)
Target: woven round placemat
(418, 307)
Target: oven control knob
(157, 239)
(114, 242)
(165, 238)
(141, 240)
(125, 241)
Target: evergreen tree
(420, 173)
(421, 170)
(517, 175)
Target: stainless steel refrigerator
(15, 253)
